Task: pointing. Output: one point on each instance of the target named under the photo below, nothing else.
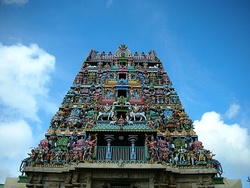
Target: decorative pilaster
(75, 178)
(133, 139)
(109, 139)
(151, 180)
(68, 179)
(89, 180)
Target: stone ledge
(120, 165)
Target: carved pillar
(37, 181)
(75, 178)
(68, 179)
(30, 180)
(172, 181)
(109, 139)
(133, 139)
(89, 180)
(151, 180)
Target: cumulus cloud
(18, 2)
(233, 111)
(24, 79)
(24, 75)
(16, 136)
(230, 143)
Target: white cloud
(16, 136)
(233, 110)
(18, 2)
(24, 78)
(24, 75)
(16, 139)
(230, 143)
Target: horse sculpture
(105, 114)
(134, 115)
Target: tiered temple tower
(121, 124)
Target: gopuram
(121, 125)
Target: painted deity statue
(151, 144)
(89, 147)
(162, 149)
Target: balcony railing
(120, 153)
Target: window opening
(122, 93)
(122, 76)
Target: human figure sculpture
(127, 116)
(178, 143)
(52, 141)
(59, 155)
(67, 157)
(32, 157)
(89, 146)
(115, 116)
(151, 144)
(72, 141)
(107, 94)
(39, 153)
(192, 157)
(189, 141)
(79, 144)
(90, 123)
(196, 145)
(136, 108)
(209, 157)
(45, 145)
(182, 153)
(51, 157)
(62, 143)
(162, 149)
(106, 107)
(201, 154)
(121, 121)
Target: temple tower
(121, 125)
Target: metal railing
(120, 153)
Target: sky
(203, 45)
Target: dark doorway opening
(122, 93)
(122, 76)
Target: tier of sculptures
(61, 150)
(107, 91)
(158, 105)
(180, 150)
(124, 52)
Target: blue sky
(204, 46)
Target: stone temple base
(119, 175)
